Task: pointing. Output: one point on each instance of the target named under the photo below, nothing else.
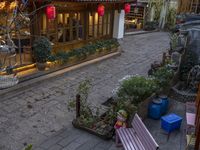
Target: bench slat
(129, 139)
(138, 137)
(144, 135)
(139, 143)
(124, 140)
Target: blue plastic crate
(171, 122)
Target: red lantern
(51, 12)
(127, 8)
(101, 10)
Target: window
(66, 27)
(99, 25)
(69, 26)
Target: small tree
(41, 49)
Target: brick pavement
(39, 115)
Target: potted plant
(137, 89)
(41, 52)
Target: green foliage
(151, 25)
(63, 57)
(83, 91)
(82, 53)
(127, 105)
(88, 114)
(173, 41)
(157, 4)
(171, 18)
(41, 49)
(29, 147)
(162, 76)
(137, 89)
(189, 60)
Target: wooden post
(78, 105)
(164, 58)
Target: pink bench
(190, 120)
(137, 137)
(190, 116)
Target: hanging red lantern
(101, 10)
(51, 12)
(127, 8)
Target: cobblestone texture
(39, 115)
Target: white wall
(118, 29)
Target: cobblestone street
(38, 115)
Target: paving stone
(104, 145)
(10, 107)
(55, 147)
(89, 145)
(38, 148)
(72, 146)
(67, 140)
(52, 141)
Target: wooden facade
(136, 18)
(189, 6)
(75, 23)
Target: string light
(2, 5)
(13, 5)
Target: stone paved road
(39, 114)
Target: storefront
(135, 20)
(74, 25)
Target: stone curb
(138, 33)
(23, 85)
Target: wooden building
(189, 6)
(77, 22)
(136, 18)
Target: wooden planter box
(105, 136)
(74, 60)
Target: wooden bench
(137, 137)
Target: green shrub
(137, 89)
(171, 18)
(62, 57)
(41, 49)
(173, 41)
(189, 60)
(82, 53)
(162, 76)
